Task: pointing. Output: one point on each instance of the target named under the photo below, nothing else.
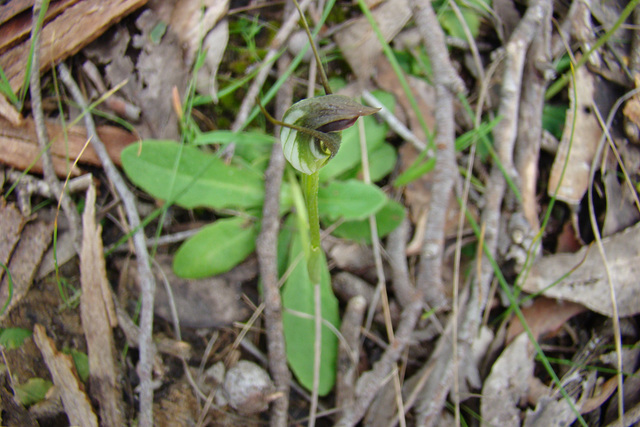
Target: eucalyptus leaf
(217, 248)
(349, 200)
(199, 179)
(299, 332)
(387, 219)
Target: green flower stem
(310, 183)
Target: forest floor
(480, 235)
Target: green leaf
(33, 391)
(217, 248)
(387, 219)
(12, 338)
(81, 360)
(299, 333)
(227, 136)
(451, 24)
(200, 179)
(5, 88)
(553, 119)
(349, 200)
(382, 161)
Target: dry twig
(147, 281)
(266, 247)
(41, 133)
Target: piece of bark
(75, 401)
(98, 317)
(64, 36)
(16, 20)
(34, 241)
(19, 146)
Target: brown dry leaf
(191, 20)
(12, 222)
(622, 211)
(159, 68)
(425, 95)
(587, 284)
(8, 112)
(203, 303)
(359, 44)
(544, 316)
(75, 401)
(507, 384)
(34, 241)
(98, 318)
(178, 407)
(19, 146)
(582, 142)
(65, 35)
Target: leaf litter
(497, 376)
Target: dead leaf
(9, 112)
(578, 144)
(359, 44)
(622, 211)
(178, 407)
(587, 284)
(12, 222)
(98, 318)
(507, 384)
(544, 316)
(34, 241)
(192, 20)
(203, 303)
(76, 403)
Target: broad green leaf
(81, 360)
(12, 338)
(227, 136)
(553, 119)
(349, 200)
(451, 24)
(200, 179)
(382, 161)
(299, 333)
(217, 248)
(33, 391)
(387, 219)
(348, 156)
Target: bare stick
(147, 281)
(444, 174)
(349, 351)
(41, 134)
(267, 246)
